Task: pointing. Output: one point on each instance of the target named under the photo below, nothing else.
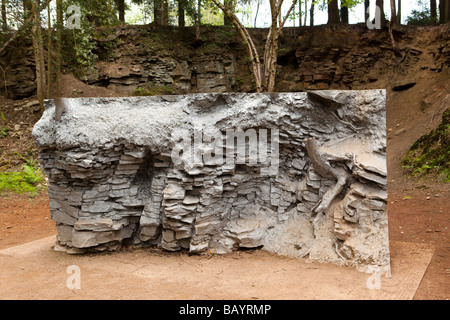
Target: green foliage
(29, 160)
(147, 10)
(351, 3)
(4, 132)
(421, 17)
(32, 175)
(27, 180)
(418, 18)
(79, 45)
(431, 152)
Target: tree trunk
(161, 12)
(59, 28)
(306, 12)
(181, 13)
(227, 20)
(447, 11)
(264, 78)
(198, 20)
(49, 54)
(391, 26)
(38, 53)
(253, 55)
(380, 4)
(121, 9)
(433, 10)
(399, 12)
(157, 5)
(165, 13)
(258, 2)
(392, 4)
(199, 12)
(311, 15)
(271, 48)
(444, 11)
(333, 12)
(366, 10)
(300, 14)
(4, 19)
(344, 14)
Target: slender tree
(181, 13)
(49, 52)
(258, 3)
(380, 5)
(271, 47)
(4, 18)
(263, 74)
(344, 12)
(165, 13)
(366, 10)
(38, 53)
(306, 12)
(433, 10)
(230, 6)
(59, 28)
(444, 11)
(157, 12)
(160, 12)
(333, 12)
(121, 8)
(391, 26)
(198, 20)
(199, 12)
(398, 17)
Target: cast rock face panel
(298, 174)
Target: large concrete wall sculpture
(298, 174)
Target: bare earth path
(418, 222)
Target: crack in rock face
(298, 174)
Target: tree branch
(245, 36)
(26, 23)
(287, 15)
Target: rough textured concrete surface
(299, 174)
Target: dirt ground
(415, 216)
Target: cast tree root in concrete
(302, 174)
